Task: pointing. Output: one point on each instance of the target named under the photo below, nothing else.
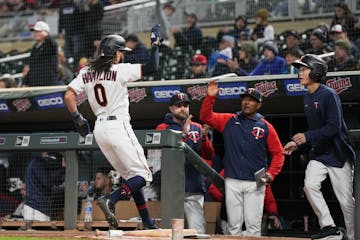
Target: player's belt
(108, 118)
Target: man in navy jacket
(180, 119)
(330, 154)
(248, 140)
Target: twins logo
(258, 132)
(194, 136)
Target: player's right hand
(290, 147)
(212, 88)
(81, 125)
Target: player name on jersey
(103, 76)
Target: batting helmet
(112, 43)
(317, 65)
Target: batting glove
(81, 124)
(155, 34)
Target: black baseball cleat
(328, 233)
(152, 226)
(108, 209)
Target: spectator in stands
(291, 55)
(7, 81)
(344, 17)
(224, 53)
(191, 35)
(198, 67)
(339, 32)
(272, 63)
(139, 53)
(64, 74)
(342, 60)
(240, 30)
(93, 30)
(292, 41)
(70, 28)
(263, 30)
(42, 174)
(43, 61)
(246, 62)
(179, 119)
(318, 41)
(164, 14)
(103, 183)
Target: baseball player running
(105, 84)
(248, 140)
(331, 154)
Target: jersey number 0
(100, 95)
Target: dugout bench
(172, 165)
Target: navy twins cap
(254, 93)
(179, 98)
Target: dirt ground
(91, 235)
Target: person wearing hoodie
(272, 63)
(179, 119)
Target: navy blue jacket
(39, 181)
(327, 131)
(194, 181)
(248, 142)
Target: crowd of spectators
(240, 49)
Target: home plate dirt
(158, 234)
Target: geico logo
(165, 93)
(50, 101)
(3, 107)
(295, 87)
(231, 91)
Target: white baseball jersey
(108, 96)
(107, 92)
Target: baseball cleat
(328, 233)
(152, 226)
(108, 209)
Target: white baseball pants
(31, 214)
(122, 149)
(194, 212)
(342, 183)
(244, 202)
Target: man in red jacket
(248, 140)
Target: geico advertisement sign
(4, 107)
(231, 90)
(294, 88)
(163, 94)
(50, 101)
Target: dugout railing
(172, 165)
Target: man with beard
(179, 119)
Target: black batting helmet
(317, 65)
(112, 43)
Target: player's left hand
(276, 221)
(267, 178)
(82, 125)
(299, 138)
(155, 37)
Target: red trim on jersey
(275, 150)
(216, 120)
